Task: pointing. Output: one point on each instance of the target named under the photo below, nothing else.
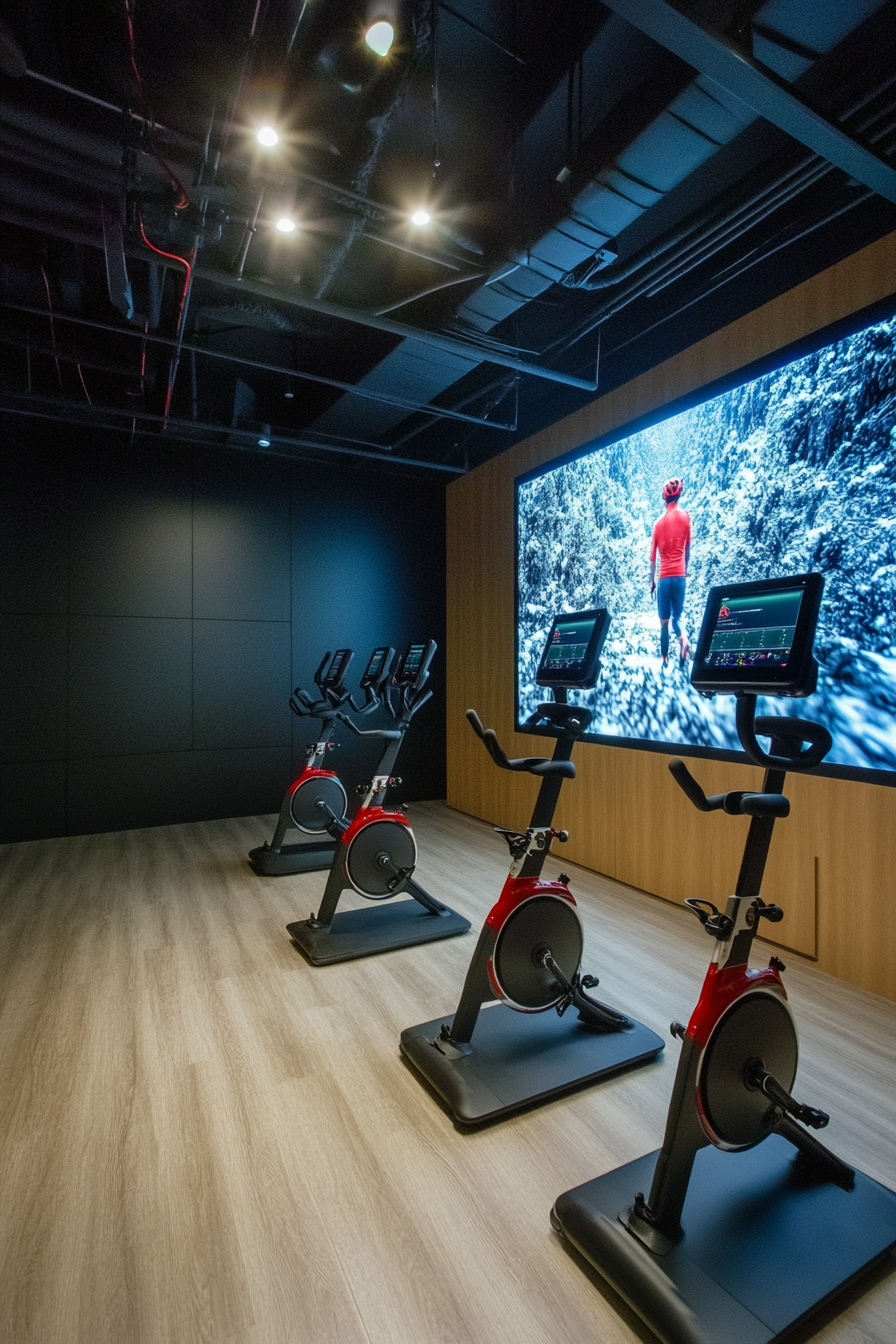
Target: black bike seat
(538, 765)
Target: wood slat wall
(832, 862)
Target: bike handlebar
(787, 736)
(533, 765)
(737, 802)
(385, 734)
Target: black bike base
(307, 858)
(378, 928)
(761, 1250)
(516, 1059)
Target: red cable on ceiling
(188, 265)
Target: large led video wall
(789, 472)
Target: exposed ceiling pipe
(759, 88)
(593, 275)
(738, 269)
(711, 237)
(424, 293)
(467, 349)
(71, 412)
(379, 127)
(57, 133)
(412, 407)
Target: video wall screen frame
(789, 466)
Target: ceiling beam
(467, 349)
(760, 88)
(197, 431)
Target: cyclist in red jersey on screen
(671, 539)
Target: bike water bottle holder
(720, 925)
(379, 784)
(523, 844)
(319, 749)
(714, 921)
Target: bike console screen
(573, 648)
(758, 637)
(378, 666)
(335, 673)
(414, 666)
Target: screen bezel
(601, 618)
(386, 654)
(338, 666)
(879, 311)
(795, 677)
(402, 676)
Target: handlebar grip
(686, 781)
(489, 737)
(475, 723)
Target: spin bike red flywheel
(544, 921)
(378, 852)
(758, 1026)
(315, 799)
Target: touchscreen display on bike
(414, 666)
(338, 667)
(572, 652)
(758, 637)
(376, 665)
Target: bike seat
(537, 765)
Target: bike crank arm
(592, 1013)
(758, 1078)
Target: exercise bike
(316, 802)
(376, 854)
(750, 1221)
(529, 953)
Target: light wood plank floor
(203, 1138)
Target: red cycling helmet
(673, 488)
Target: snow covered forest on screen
(792, 472)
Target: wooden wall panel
(832, 861)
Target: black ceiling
(608, 183)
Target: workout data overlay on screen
(755, 631)
(568, 647)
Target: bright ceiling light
(380, 36)
(267, 136)
(285, 224)
(421, 218)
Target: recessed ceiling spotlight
(285, 224)
(380, 36)
(267, 136)
(421, 218)
(289, 395)
(264, 443)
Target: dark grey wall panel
(32, 800)
(241, 539)
(33, 521)
(119, 792)
(115, 793)
(241, 684)
(130, 685)
(160, 604)
(240, 783)
(34, 678)
(368, 568)
(131, 533)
